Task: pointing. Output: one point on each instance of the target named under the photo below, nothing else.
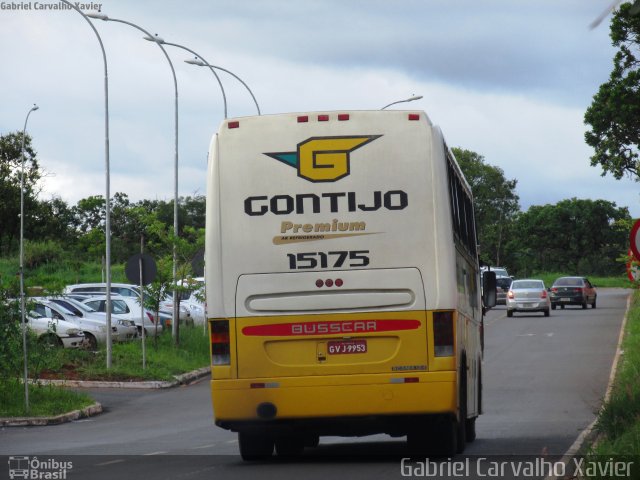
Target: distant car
(499, 271)
(502, 287)
(59, 333)
(528, 296)
(127, 308)
(573, 291)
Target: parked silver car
(528, 296)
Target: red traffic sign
(634, 239)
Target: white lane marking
(231, 441)
(155, 453)
(204, 446)
(120, 460)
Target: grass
(163, 361)
(618, 425)
(55, 276)
(44, 400)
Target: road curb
(86, 412)
(184, 379)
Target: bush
(42, 253)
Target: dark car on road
(573, 291)
(502, 287)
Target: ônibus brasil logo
(323, 159)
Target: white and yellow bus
(342, 282)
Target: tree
(580, 236)
(52, 220)
(495, 202)
(614, 114)
(10, 173)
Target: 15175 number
(311, 260)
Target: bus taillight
(443, 334)
(220, 344)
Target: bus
(342, 282)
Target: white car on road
(528, 295)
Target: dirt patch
(73, 372)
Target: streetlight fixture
(410, 99)
(22, 312)
(160, 41)
(157, 41)
(107, 216)
(199, 61)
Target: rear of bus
(331, 279)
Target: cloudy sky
(507, 79)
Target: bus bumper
(246, 402)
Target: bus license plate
(341, 347)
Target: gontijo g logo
(323, 159)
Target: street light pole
(199, 61)
(159, 41)
(176, 317)
(22, 311)
(410, 99)
(107, 216)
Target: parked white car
(127, 308)
(100, 288)
(95, 332)
(124, 290)
(56, 332)
(123, 330)
(191, 299)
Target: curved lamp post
(199, 61)
(160, 41)
(107, 220)
(22, 312)
(176, 321)
(410, 99)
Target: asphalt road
(544, 379)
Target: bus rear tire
(437, 438)
(255, 446)
(460, 424)
(470, 429)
